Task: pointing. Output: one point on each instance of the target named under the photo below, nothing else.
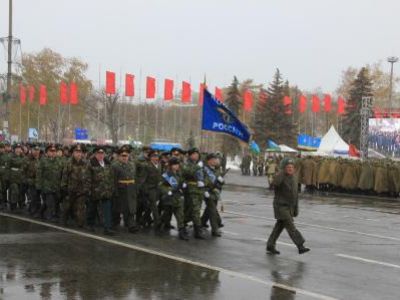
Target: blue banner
(81, 134)
(272, 145)
(254, 147)
(308, 142)
(217, 117)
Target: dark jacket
(286, 196)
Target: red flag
(287, 102)
(201, 93)
(327, 103)
(341, 106)
(247, 100)
(129, 85)
(150, 88)
(315, 104)
(302, 104)
(73, 94)
(186, 92)
(110, 82)
(353, 151)
(218, 94)
(168, 89)
(42, 95)
(63, 93)
(31, 91)
(22, 94)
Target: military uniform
(30, 170)
(100, 183)
(4, 157)
(16, 177)
(74, 190)
(125, 192)
(285, 209)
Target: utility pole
(392, 60)
(9, 59)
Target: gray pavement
(355, 255)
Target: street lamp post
(391, 60)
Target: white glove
(184, 185)
(170, 193)
(200, 184)
(200, 163)
(220, 179)
(207, 195)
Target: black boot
(183, 234)
(272, 250)
(216, 233)
(198, 233)
(303, 249)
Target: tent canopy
(287, 149)
(333, 144)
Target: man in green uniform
(124, 200)
(4, 157)
(286, 208)
(213, 182)
(30, 170)
(16, 178)
(194, 179)
(100, 183)
(74, 190)
(172, 197)
(141, 197)
(151, 182)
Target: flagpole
(28, 118)
(38, 123)
(139, 105)
(20, 121)
(59, 122)
(156, 107)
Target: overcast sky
(311, 41)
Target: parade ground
(354, 255)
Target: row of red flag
(68, 94)
(186, 95)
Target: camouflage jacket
(124, 173)
(152, 176)
(100, 180)
(30, 170)
(4, 158)
(212, 182)
(193, 174)
(74, 175)
(170, 188)
(48, 175)
(14, 169)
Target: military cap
(211, 156)
(7, 143)
(99, 149)
(35, 147)
(165, 153)
(146, 148)
(51, 147)
(193, 150)
(17, 145)
(173, 161)
(77, 147)
(175, 149)
(153, 152)
(124, 149)
(2, 145)
(287, 161)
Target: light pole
(391, 60)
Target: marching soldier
(286, 208)
(100, 184)
(4, 157)
(194, 178)
(16, 178)
(172, 197)
(270, 169)
(74, 190)
(48, 179)
(125, 200)
(213, 182)
(30, 171)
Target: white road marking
(320, 227)
(176, 258)
(371, 261)
(230, 232)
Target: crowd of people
(113, 187)
(375, 177)
(386, 143)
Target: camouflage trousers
(176, 209)
(74, 206)
(211, 212)
(192, 208)
(17, 195)
(291, 229)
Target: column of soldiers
(113, 187)
(258, 165)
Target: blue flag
(273, 145)
(217, 117)
(254, 147)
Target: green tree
(360, 87)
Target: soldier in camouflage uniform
(30, 171)
(213, 182)
(100, 183)
(16, 178)
(74, 191)
(125, 200)
(141, 196)
(4, 157)
(48, 179)
(194, 178)
(172, 197)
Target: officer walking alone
(286, 208)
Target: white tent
(333, 144)
(287, 149)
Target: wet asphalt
(355, 254)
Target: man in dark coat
(286, 208)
